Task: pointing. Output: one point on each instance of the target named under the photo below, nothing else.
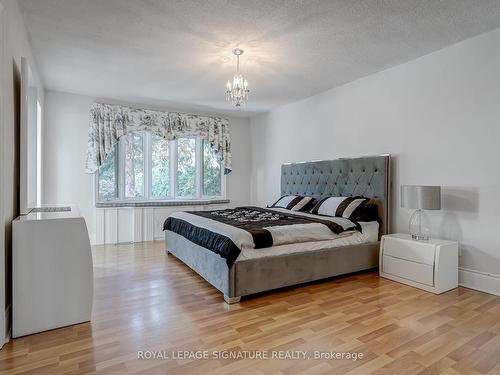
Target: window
(133, 158)
(212, 171)
(146, 167)
(186, 167)
(160, 167)
(107, 176)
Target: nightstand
(429, 265)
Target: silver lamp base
(418, 227)
(419, 237)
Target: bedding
(227, 232)
(369, 234)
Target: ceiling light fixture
(237, 93)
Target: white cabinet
(52, 274)
(429, 265)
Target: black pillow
(358, 209)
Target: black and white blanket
(227, 232)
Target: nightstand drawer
(418, 272)
(409, 250)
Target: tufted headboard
(367, 176)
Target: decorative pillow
(355, 208)
(306, 204)
(327, 206)
(367, 211)
(351, 207)
(294, 203)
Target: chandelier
(237, 92)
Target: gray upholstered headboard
(367, 176)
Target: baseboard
(482, 281)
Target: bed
(257, 270)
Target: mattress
(369, 234)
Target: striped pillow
(328, 206)
(294, 203)
(356, 208)
(351, 207)
(305, 204)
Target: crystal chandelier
(237, 93)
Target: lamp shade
(421, 197)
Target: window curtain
(110, 122)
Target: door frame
(3, 329)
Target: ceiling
(178, 53)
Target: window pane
(134, 165)
(186, 167)
(107, 177)
(211, 171)
(160, 167)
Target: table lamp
(420, 197)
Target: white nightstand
(431, 265)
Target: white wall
(65, 144)
(13, 45)
(439, 116)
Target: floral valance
(110, 122)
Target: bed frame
(366, 176)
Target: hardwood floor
(147, 301)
